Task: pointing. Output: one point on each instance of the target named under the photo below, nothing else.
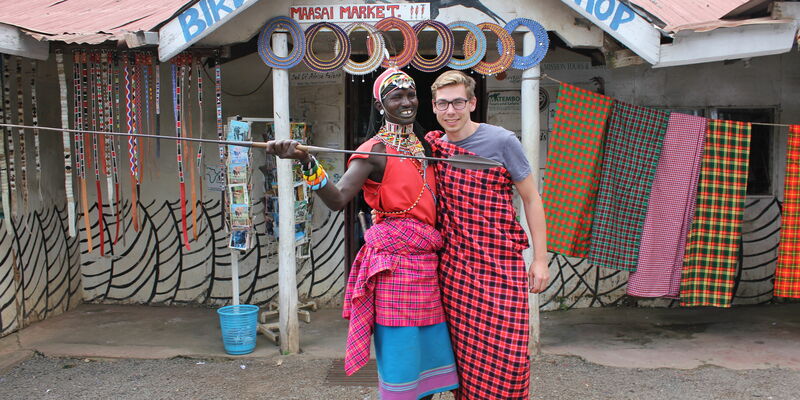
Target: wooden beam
(728, 44)
(141, 39)
(621, 22)
(13, 41)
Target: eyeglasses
(458, 104)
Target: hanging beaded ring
(374, 41)
(443, 55)
(341, 51)
(505, 47)
(409, 42)
(542, 42)
(298, 39)
(472, 56)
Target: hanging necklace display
(176, 102)
(108, 142)
(23, 167)
(77, 115)
(98, 118)
(158, 107)
(542, 42)
(375, 39)
(505, 47)
(409, 42)
(220, 130)
(3, 176)
(147, 124)
(130, 119)
(12, 178)
(444, 53)
(298, 41)
(62, 90)
(141, 122)
(35, 122)
(83, 154)
(188, 64)
(115, 71)
(199, 160)
(341, 51)
(472, 56)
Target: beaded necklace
(403, 139)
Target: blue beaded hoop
(443, 57)
(470, 60)
(542, 42)
(298, 40)
(341, 51)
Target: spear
(465, 161)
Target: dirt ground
(301, 377)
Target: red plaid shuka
(482, 278)
(787, 274)
(392, 283)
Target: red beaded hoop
(409, 42)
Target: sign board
(621, 22)
(312, 78)
(196, 23)
(344, 13)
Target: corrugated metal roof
(87, 21)
(678, 13)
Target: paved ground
(133, 352)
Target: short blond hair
(454, 77)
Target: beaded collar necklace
(400, 138)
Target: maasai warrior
(482, 273)
(392, 291)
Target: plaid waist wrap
(787, 273)
(483, 278)
(392, 282)
(573, 169)
(712, 250)
(633, 147)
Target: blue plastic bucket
(238, 324)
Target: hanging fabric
(709, 266)
(97, 141)
(130, 119)
(670, 209)
(35, 122)
(199, 160)
(3, 171)
(573, 169)
(108, 143)
(116, 71)
(23, 162)
(12, 178)
(177, 77)
(787, 273)
(632, 149)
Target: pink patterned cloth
(393, 282)
(670, 209)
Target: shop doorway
(359, 106)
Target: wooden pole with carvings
(529, 113)
(287, 279)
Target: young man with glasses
(482, 274)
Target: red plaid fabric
(787, 274)
(573, 169)
(483, 279)
(712, 250)
(393, 283)
(633, 147)
(670, 209)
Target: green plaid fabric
(787, 273)
(633, 148)
(709, 266)
(573, 169)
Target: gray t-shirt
(499, 144)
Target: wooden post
(529, 113)
(287, 279)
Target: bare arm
(334, 196)
(539, 273)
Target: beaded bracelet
(473, 55)
(314, 175)
(505, 48)
(542, 42)
(298, 41)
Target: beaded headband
(390, 80)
